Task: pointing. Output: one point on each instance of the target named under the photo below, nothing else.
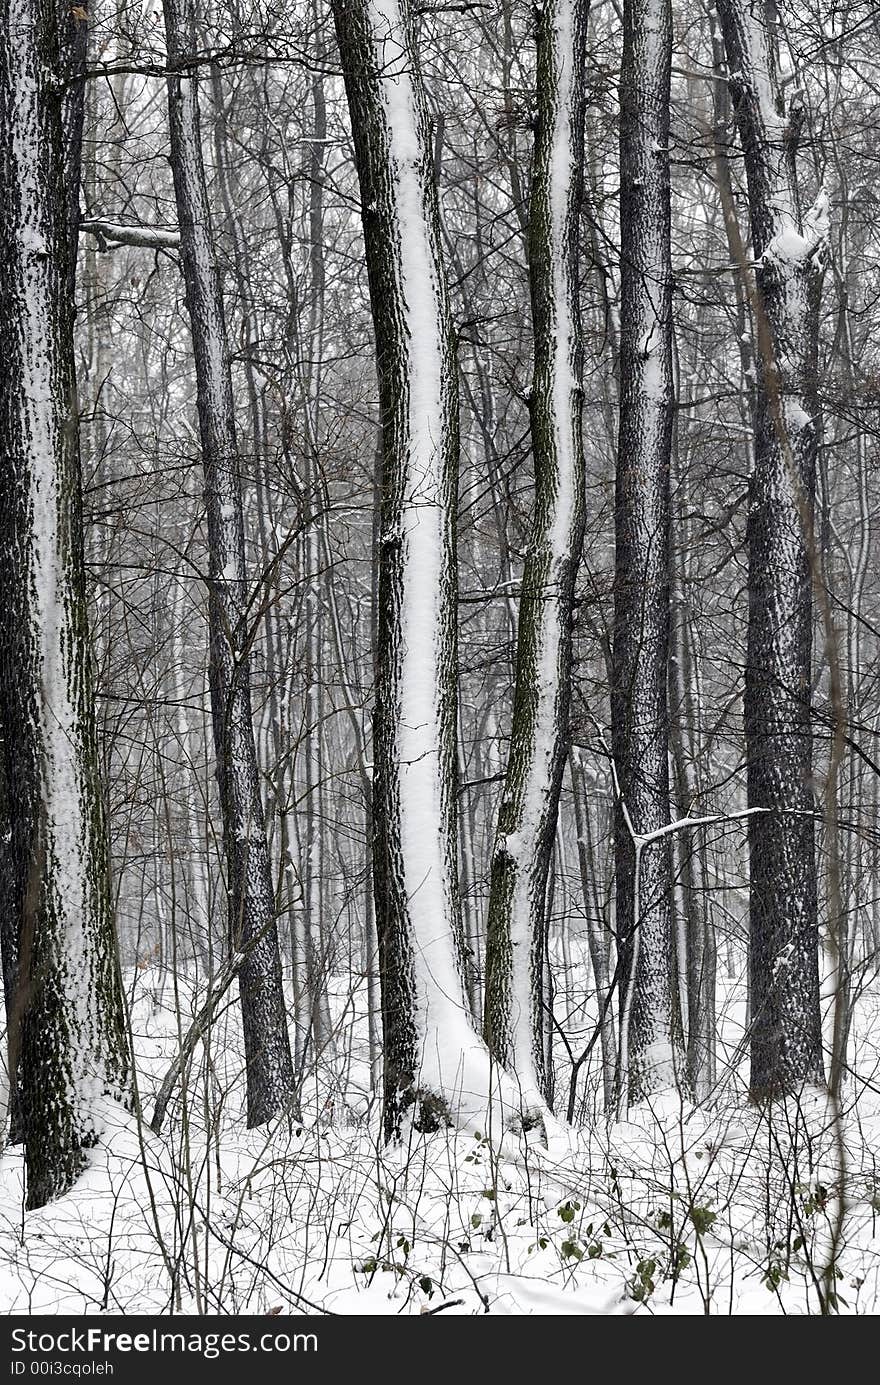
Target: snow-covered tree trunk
(651, 1054)
(67, 1035)
(789, 247)
(252, 920)
(434, 1062)
(516, 941)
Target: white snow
(327, 1219)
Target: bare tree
(433, 1059)
(252, 922)
(651, 1052)
(517, 994)
(789, 246)
(67, 1039)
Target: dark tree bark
(67, 1034)
(789, 247)
(651, 1052)
(252, 918)
(515, 1021)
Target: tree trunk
(252, 922)
(515, 1022)
(788, 248)
(434, 1063)
(651, 1053)
(66, 1024)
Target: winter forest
(439, 649)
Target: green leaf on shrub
(702, 1218)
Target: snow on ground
(676, 1210)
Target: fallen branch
(150, 237)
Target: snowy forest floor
(719, 1210)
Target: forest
(439, 635)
